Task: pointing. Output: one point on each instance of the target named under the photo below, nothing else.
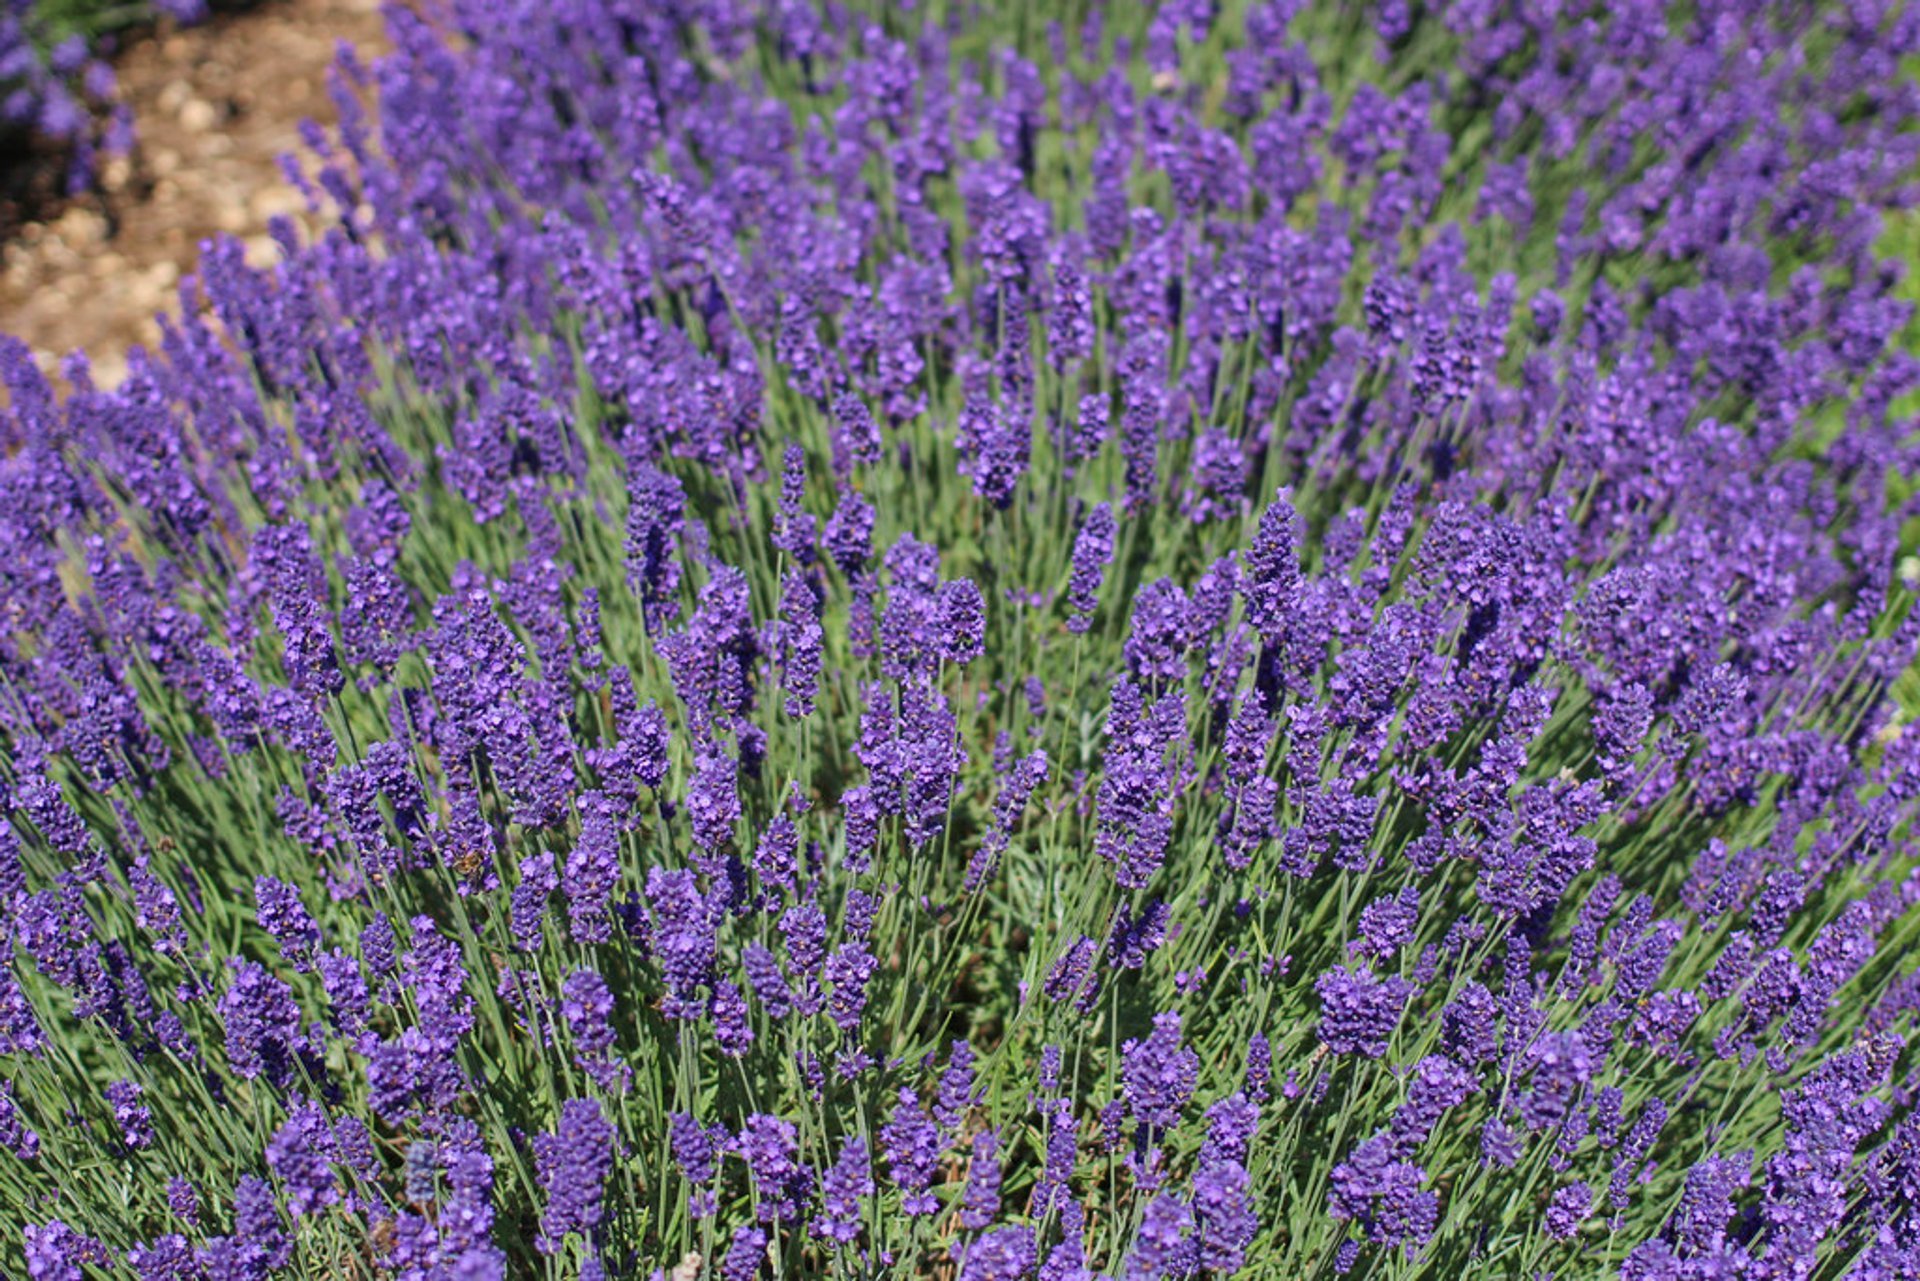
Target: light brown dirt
(214, 107)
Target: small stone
(79, 228)
(115, 173)
(109, 370)
(175, 95)
(270, 201)
(261, 251)
(198, 115)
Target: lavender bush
(856, 641)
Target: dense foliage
(1193, 640)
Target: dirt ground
(214, 108)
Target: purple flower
(56, 1252)
(284, 917)
(696, 1151)
(770, 1148)
(849, 968)
(1159, 634)
(956, 1094)
(842, 1190)
(592, 870)
(1359, 1012)
(713, 801)
(794, 531)
(1438, 1084)
(849, 533)
(182, 1201)
(656, 516)
(1158, 1074)
(1092, 552)
(1559, 1065)
(1567, 1209)
(980, 1203)
(527, 909)
(258, 1228)
(962, 622)
(15, 1134)
(731, 1029)
(745, 1255)
(1164, 1245)
(572, 1165)
(586, 1003)
(1387, 924)
(1469, 1025)
(683, 939)
(1223, 1207)
(1017, 789)
(300, 1154)
(132, 1116)
(262, 1022)
(801, 642)
(165, 1258)
(911, 1146)
(1383, 1195)
(856, 437)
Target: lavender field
(1237, 638)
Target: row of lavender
(1195, 640)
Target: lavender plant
(839, 640)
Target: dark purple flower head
(572, 1165)
(282, 915)
(746, 1254)
(1158, 1074)
(912, 1147)
(1223, 1209)
(1560, 1066)
(301, 1155)
(1359, 1012)
(56, 1252)
(845, 1189)
(258, 1228)
(683, 939)
(731, 1028)
(849, 533)
(980, 1203)
(713, 800)
(856, 437)
(781, 1184)
(962, 622)
(656, 517)
(1567, 1210)
(795, 529)
(586, 1002)
(262, 1023)
(696, 1151)
(1387, 924)
(15, 1134)
(1164, 1245)
(1384, 1195)
(956, 1095)
(182, 1201)
(133, 1117)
